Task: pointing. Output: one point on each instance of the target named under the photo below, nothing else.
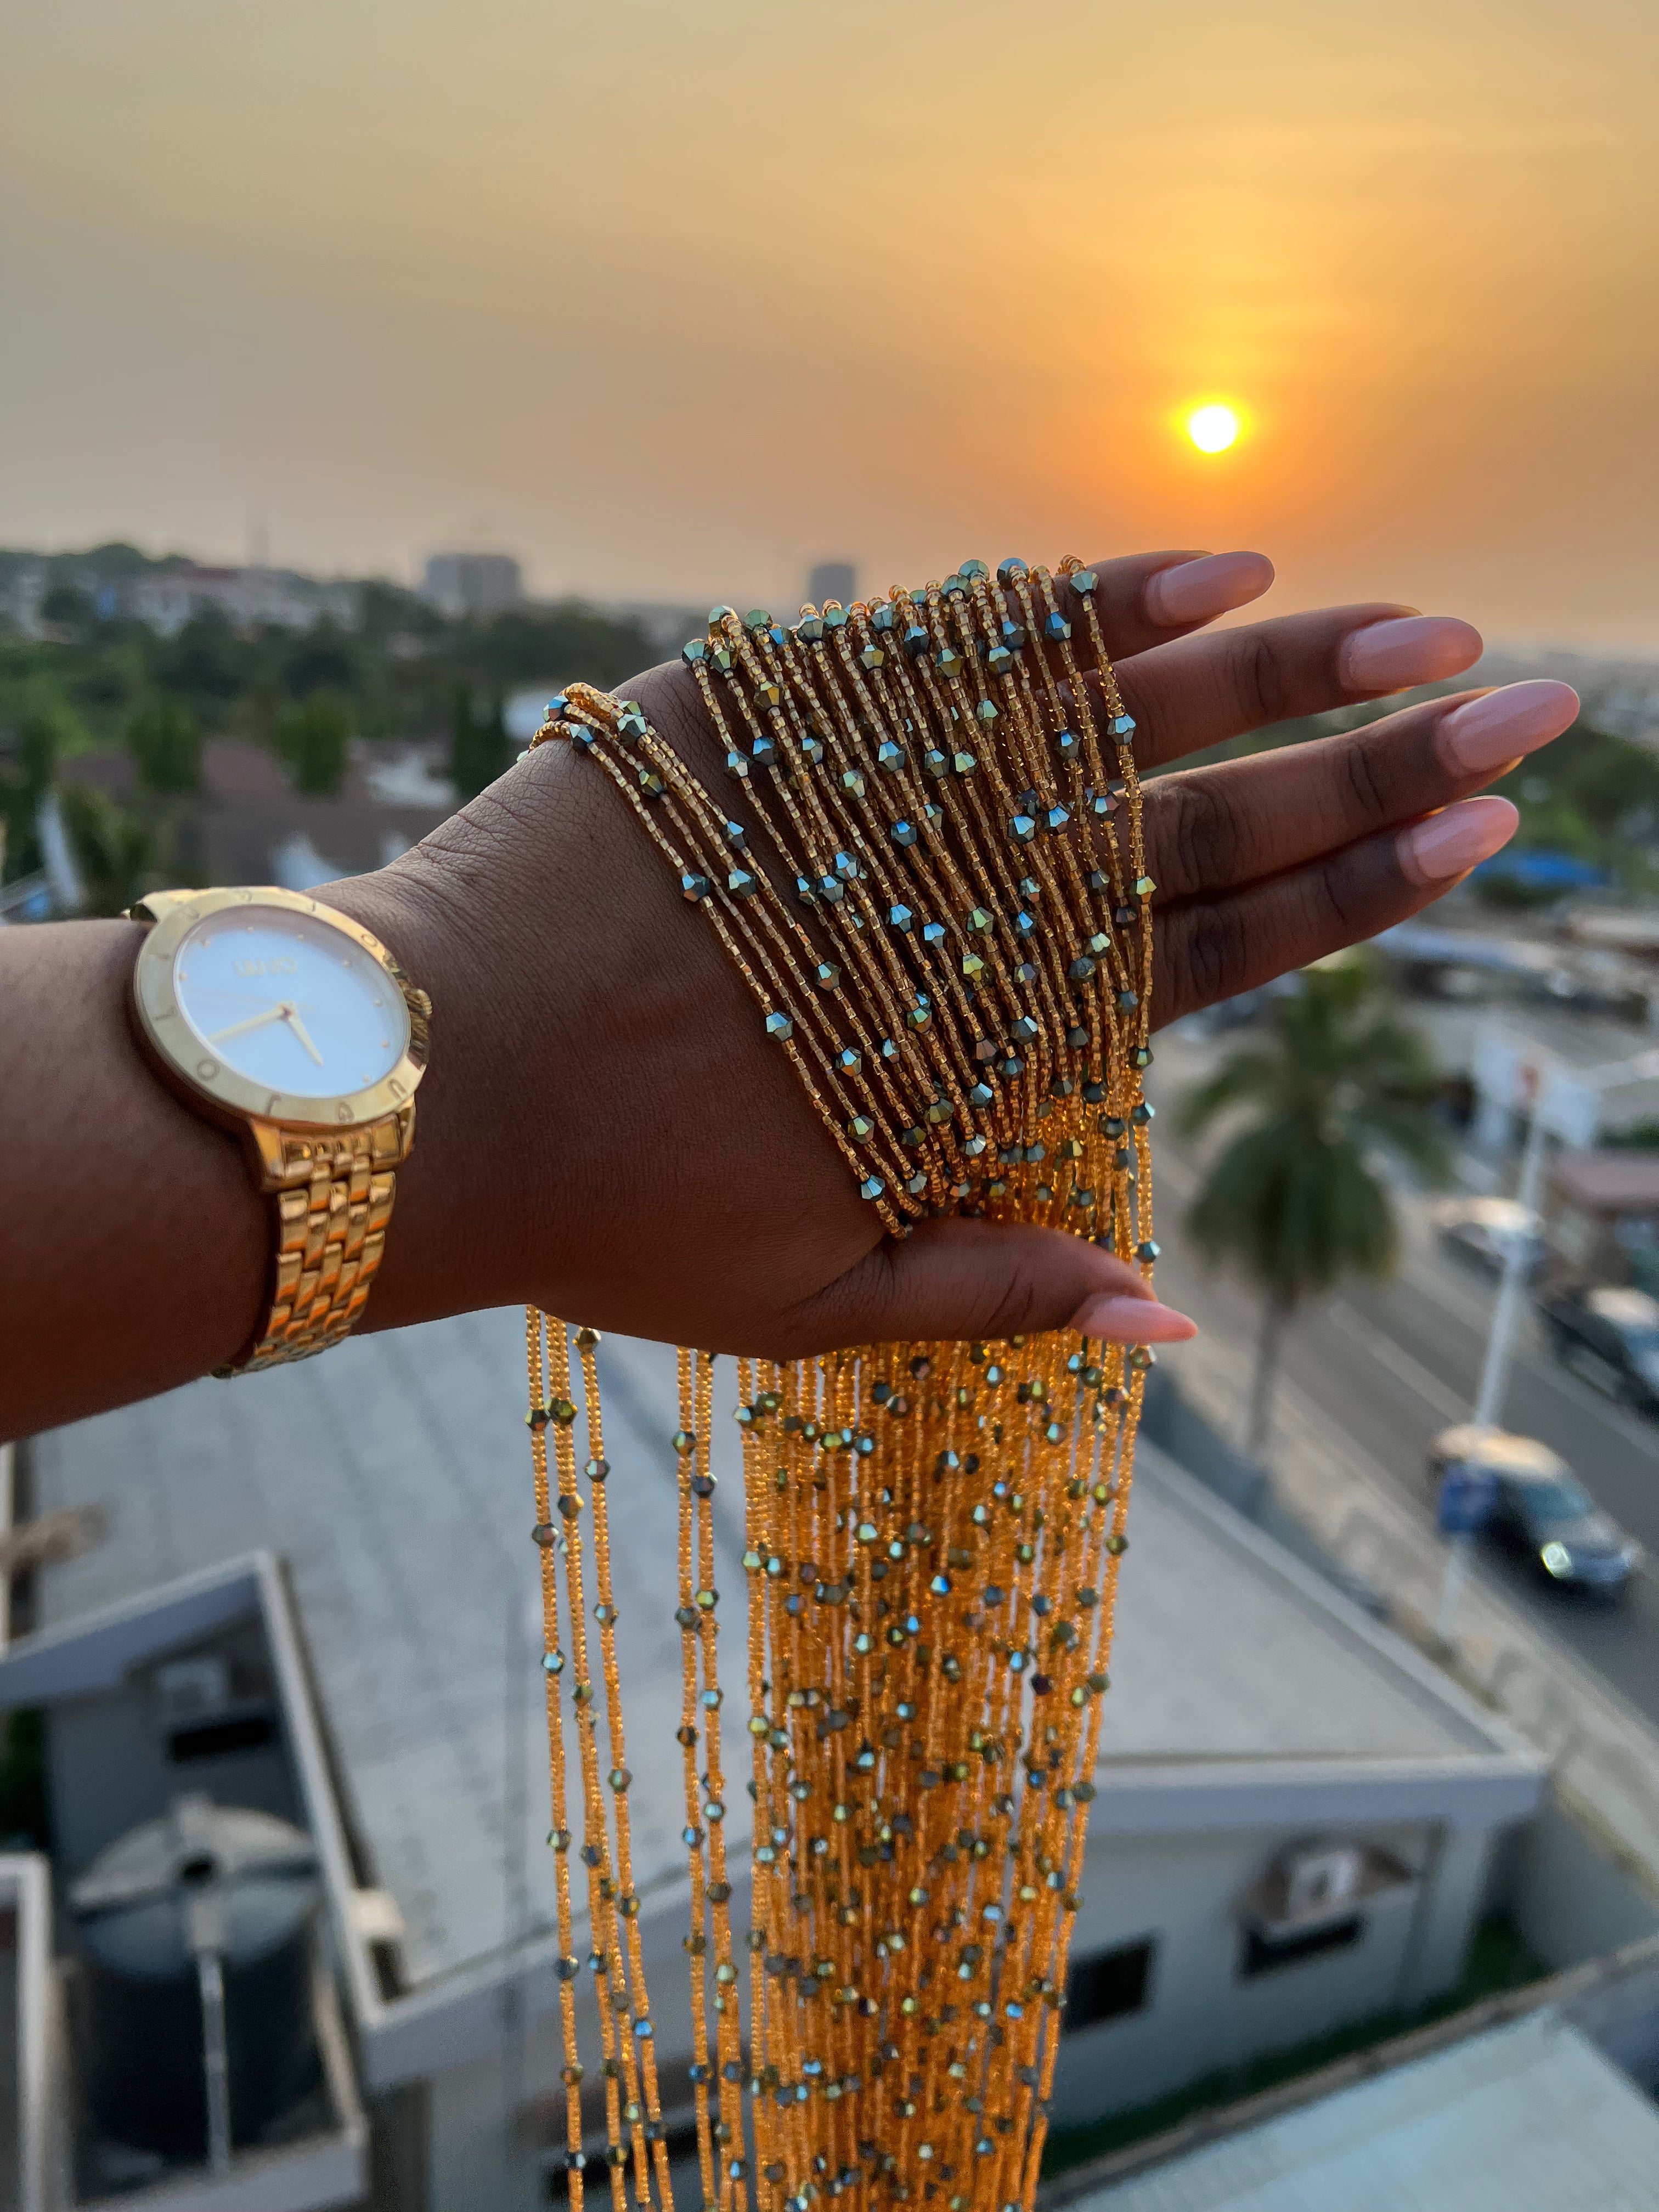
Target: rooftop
(393, 1479)
(1526, 2116)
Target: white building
(473, 585)
(249, 599)
(1299, 1824)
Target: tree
(165, 740)
(1293, 1198)
(314, 739)
(44, 727)
(114, 851)
(479, 747)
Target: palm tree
(1293, 1198)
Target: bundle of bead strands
(928, 869)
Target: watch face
(289, 1002)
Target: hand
(606, 1131)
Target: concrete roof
(393, 1478)
(1528, 2117)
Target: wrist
(443, 1248)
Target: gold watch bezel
(164, 1028)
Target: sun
(1213, 428)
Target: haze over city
(343, 285)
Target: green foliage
(532, 645)
(37, 729)
(1594, 795)
(206, 666)
(397, 671)
(114, 850)
(1293, 1198)
(314, 738)
(165, 741)
(479, 747)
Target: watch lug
(154, 906)
(263, 1142)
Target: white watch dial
(289, 1002)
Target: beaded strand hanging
(932, 880)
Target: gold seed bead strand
(596, 1837)
(536, 1323)
(595, 1827)
(871, 942)
(767, 994)
(638, 2053)
(696, 1943)
(728, 2034)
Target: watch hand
(302, 1033)
(253, 1022)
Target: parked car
(1484, 1229)
(1539, 1508)
(1608, 1336)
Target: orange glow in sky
(673, 301)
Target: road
(1392, 1364)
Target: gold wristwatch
(292, 1026)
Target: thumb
(956, 1280)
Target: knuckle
(1207, 834)
(1260, 678)
(1336, 898)
(1212, 962)
(1366, 799)
(1016, 1304)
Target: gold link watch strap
(332, 1198)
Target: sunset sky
(671, 297)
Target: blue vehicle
(1521, 1496)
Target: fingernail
(1387, 656)
(1506, 724)
(1123, 1319)
(1197, 591)
(1455, 840)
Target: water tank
(196, 1939)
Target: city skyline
(673, 309)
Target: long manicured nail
(1198, 590)
(1122, 1320)
(1387, 656)
(1505, 725)
(1455, 840)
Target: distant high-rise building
(832, 579)
(482, 584)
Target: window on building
(1265, 1954)
(1108, 1984)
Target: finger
(961, 1279)
(1211, 949)
(1199, 691)
(1146, 599)
(1209, 829)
